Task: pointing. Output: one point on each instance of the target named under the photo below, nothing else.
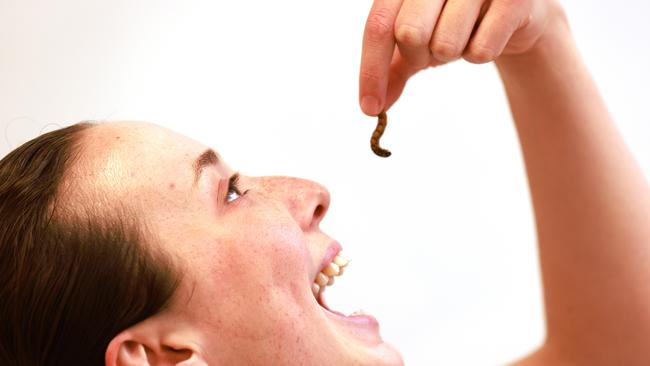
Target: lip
(365, 327)
(332, 250)
(364, 320)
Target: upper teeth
(326, 276)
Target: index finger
(376, 55)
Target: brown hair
(68, 285)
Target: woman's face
(250, 253)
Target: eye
(233, 189)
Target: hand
(433, 32)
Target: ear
(146, 344)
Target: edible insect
(382, 119)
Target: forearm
(591, 203)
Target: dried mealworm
(376, 135)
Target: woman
(127, 244)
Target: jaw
(355, 338)
(359, 347)
(356, 334)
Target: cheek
(263, 266)
(261, 309)
(264, 288)
(286, 250)
(273, 245)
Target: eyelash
(233, 187)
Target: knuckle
(480, 54)
(412, 36)
(445, 49)
(379, 24)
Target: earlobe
(124, 351)
(146, 346)
(193, 360)
(187, 352)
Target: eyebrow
(208, 158)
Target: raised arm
(591, 200)
(592, 208)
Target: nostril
(319, 212)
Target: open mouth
(364, 326)
(325, 278)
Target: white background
(441, 234)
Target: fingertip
(370, 105)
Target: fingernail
(370, 105)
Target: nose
(305, 200)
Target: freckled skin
(248, 265)
(382, 120)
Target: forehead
(137, 142)
(124, 158)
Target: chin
(386, 355)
